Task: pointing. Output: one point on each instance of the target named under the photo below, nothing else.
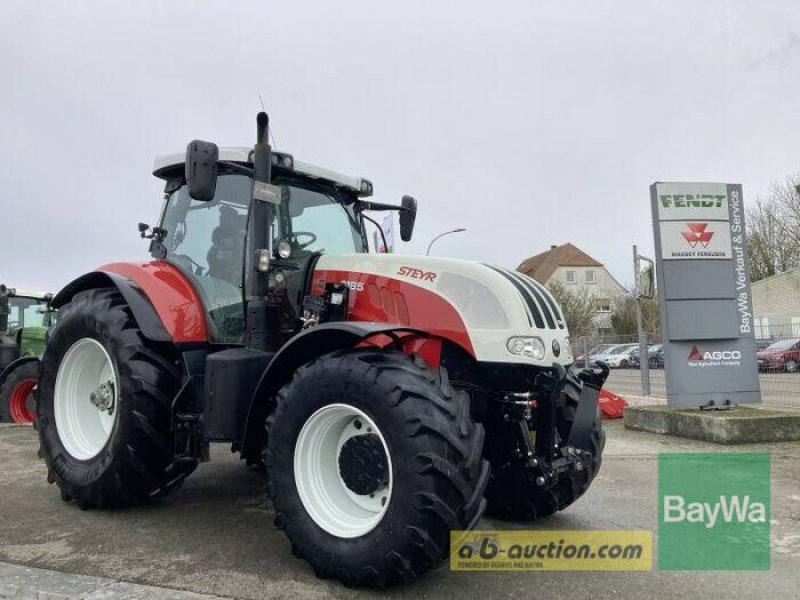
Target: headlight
(526, 346)
(284, 249)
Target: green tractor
(25, 317)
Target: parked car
(594, 351)
(763, 344)
(655, 356)
(604, 352)
(634, 358)
(780, 356)
(619, 356)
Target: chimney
(554, 246)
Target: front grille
(541, 308)
(553, 315)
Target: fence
(778, 363)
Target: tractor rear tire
(104, 406)
(512, 492)
(400, 443)
(16, 394)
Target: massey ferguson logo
(713, 358)
(697, 234)
(415, 273)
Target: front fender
(301, 349)
(14, 365)
(164, 304)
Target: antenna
(272, 137)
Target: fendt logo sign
(697, 234)
(705, 202)
(692, 200)
(714, 358)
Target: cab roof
(34, 295)
(166, 164)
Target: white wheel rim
(83, 427)
(324, 494)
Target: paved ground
(21, 582)
(215, 536)
(777, 389)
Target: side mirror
(201, 169)
(646, 279)
(408, 215)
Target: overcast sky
(529, 123)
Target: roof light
(285, 161)
(365, 188)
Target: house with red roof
(577, 271)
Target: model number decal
(415, 273)
(356, 286)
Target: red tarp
(611, 404)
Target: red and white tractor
(389, 397)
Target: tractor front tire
(16, 394)
(104, 414)
(372, 459)
(513, 494)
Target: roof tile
(542, 266)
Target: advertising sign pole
(704, 294)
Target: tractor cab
(25, 309)
(24, 319)
(314, 211)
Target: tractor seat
(227, 244)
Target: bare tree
(773, 230)
(578, 308)
(623, 318)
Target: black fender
(17, 363)
(143, 312)
(301, 349)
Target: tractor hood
(476, 305)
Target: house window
(603, 305)
(571, 277)
(589, 276)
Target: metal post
(644, 359)
(585, 352)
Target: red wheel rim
(18, 403)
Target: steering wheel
(297, 234)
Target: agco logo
(714, 357)
(415, 273)
(697, 234)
